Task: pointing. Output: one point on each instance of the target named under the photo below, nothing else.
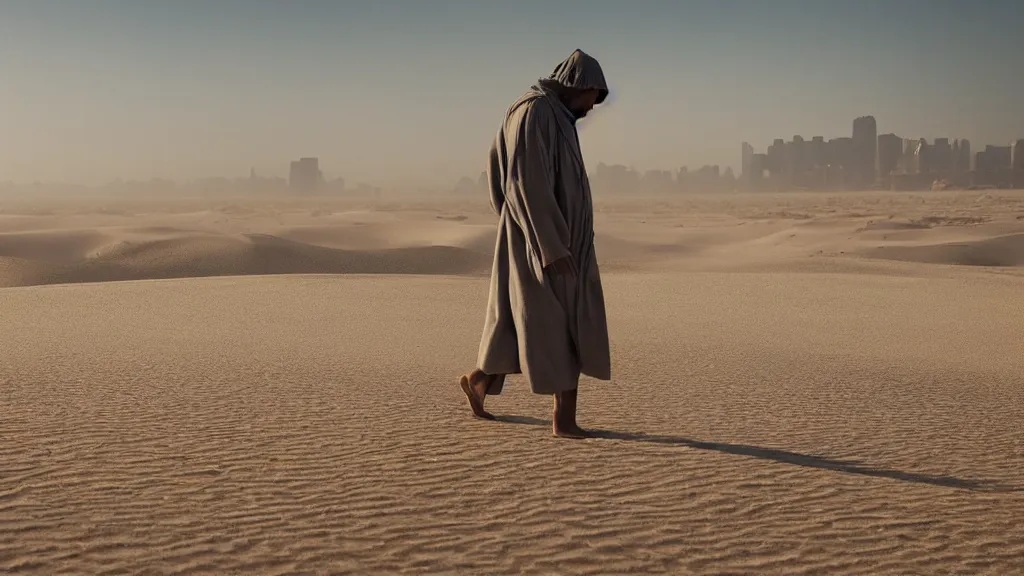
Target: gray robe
(548, 327)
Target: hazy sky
(401, 92)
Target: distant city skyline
(869, 158)
(406, 93)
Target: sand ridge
(784, 401)
(94, 243)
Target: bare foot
(572, 432)
(563, 420)
(475, 393)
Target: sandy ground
(803, 384)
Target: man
(545, 313)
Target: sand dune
(477, 238)
(702, 233)
(251, 254)
(999, 251)
(803, 384)
(56, 247)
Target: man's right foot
(571, 431)
(475, 385)
(563, 421)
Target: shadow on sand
(786, 457)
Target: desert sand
(802, 384)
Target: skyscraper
(1017, 163)
(964, 162)
(305, 176)
(890, 148)
(909, 160)
(865, 144)
(942, 156)
(1017, 154)
(746, 154)
(816, 154)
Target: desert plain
(815, 383)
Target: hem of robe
(496, 387)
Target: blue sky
(411, 93)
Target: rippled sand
(796, 390)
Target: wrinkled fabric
(543, 325)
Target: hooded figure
(545, 314)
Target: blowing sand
(803, 384)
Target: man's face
(583, 103)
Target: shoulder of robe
(535, 115)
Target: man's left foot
(474, 385)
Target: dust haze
(235, 298)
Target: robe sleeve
(495, 181)
(533, 181)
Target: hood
(580, 71)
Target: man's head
(579, 82)
(581, 102)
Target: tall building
(910, 158)
(993, 158)
(941, 159)
(840, 152)
(816, 153)
(304, 176)
(890, 148)
(992, 166)
(1017, 154)
(924, 156)
(1017, 164)
(746, 154)
(964, 159)
(865, 143)
(777, 158)
(797, 156)
(758, 165)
